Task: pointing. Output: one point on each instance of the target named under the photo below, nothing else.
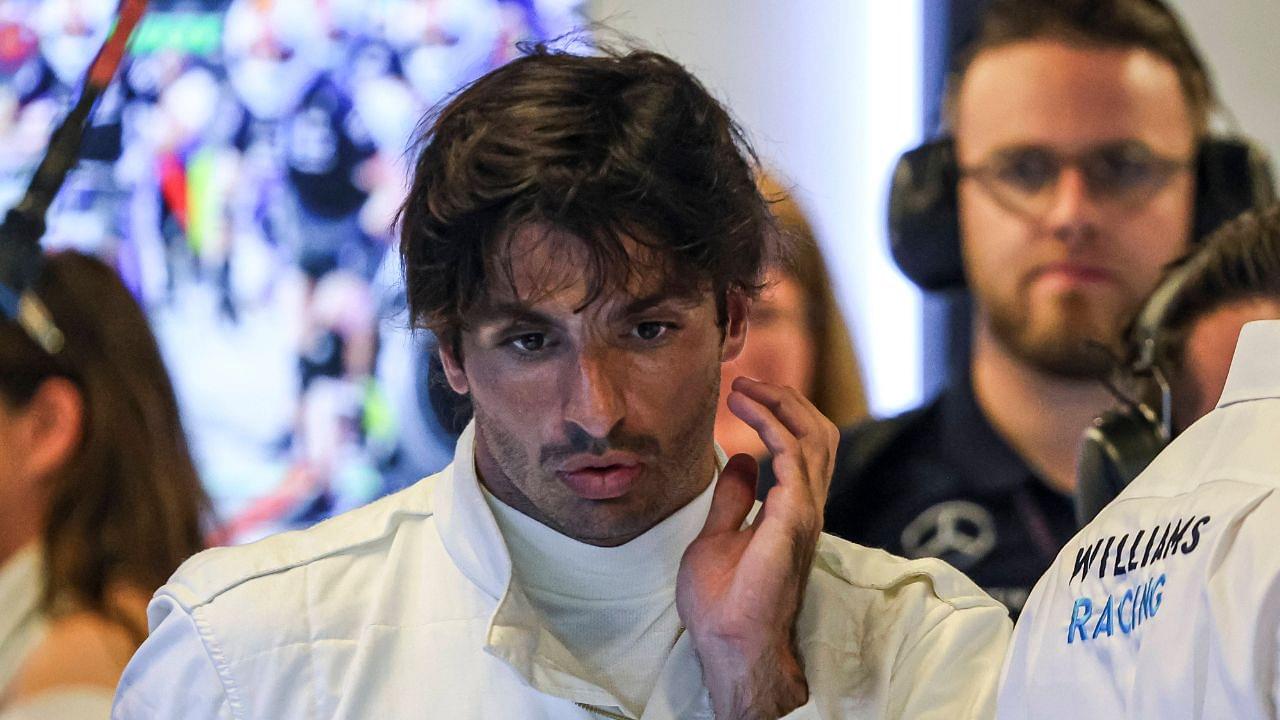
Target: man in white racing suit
(584, 236)
(1167, 605)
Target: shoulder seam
(307, 559)
(230, 691)
(189, 594)
(976, 598)
(957, 603)
(1267, 490)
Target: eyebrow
(516, 312)
(510, 311)
(639, 305)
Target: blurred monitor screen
(243, 174)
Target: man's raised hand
(740, 587)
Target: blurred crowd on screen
(243, 175)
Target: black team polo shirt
(939, 482)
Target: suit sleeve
(952, 671)
(175, 674)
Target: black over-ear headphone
(1123, 441)
(1232, 175)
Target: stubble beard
(671, 479)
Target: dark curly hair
(1148, 24)
(622, 146)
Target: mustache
(580, 442)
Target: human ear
(53, 424)
(737, 306)
(451, 360)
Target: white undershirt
(22, 625)
(613, 608)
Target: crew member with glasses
(1076, 127)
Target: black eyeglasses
(1123, 176)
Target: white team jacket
(406, 608)
(1167, 605)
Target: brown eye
(529, 342)
(651, 330)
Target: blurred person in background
(1076, 126)
(1168, 597)
(99, 500)
(26, 117)
(798, 335)
(1232, 281)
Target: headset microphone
(1123, 441)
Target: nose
(1073, 212)
(595, 393)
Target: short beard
(1080, 349)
